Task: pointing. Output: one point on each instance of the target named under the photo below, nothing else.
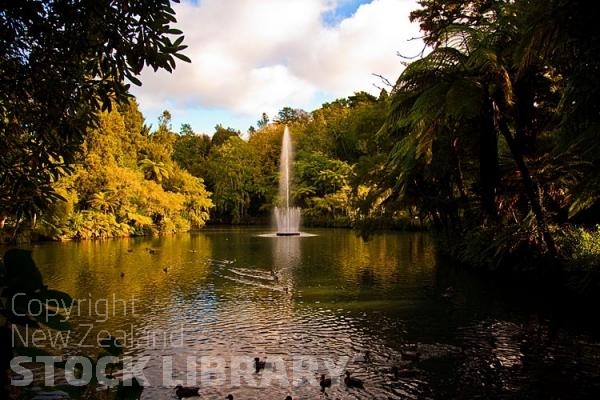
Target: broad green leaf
(182, 57)
(134, 80)
(178, 41)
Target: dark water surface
(227, 293)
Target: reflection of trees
(385, 260)
(92, 270)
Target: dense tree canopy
(118, 188)
(494, 129)
(61, 62)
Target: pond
(197, 307)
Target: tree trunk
(525, 134)
(488, 163)
(531, 188)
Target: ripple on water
(229, 303)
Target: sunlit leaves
(234, 168)
(112, 195)
(155, 171)
(61, 63)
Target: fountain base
(287, 234)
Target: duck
(259, 364)
(186, 391)
(129, 389)
(353, 382)
(324, 383)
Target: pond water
(228, 294)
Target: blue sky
(255, 56)
(343, 9)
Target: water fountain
(287, 217)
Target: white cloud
(251, 56)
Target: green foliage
(263, 121)
(154, 171)
(94, 225)
(158, 146)
(582, 246)
(234, 172)
(110, 196)
(330, 143)
(190, 152)
(493, 249)
(61, 63)
(494, 130)
(222, 134)
(287, 116)
(322, 187)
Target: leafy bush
(515, 247)
(581, 246)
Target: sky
(255, 56)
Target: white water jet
(287, 217)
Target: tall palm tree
(106, 201)
(460, 93)
(440, 108)
(156, 171)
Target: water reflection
(286, 259)
(221, 293)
